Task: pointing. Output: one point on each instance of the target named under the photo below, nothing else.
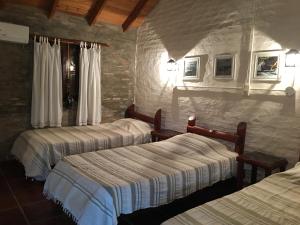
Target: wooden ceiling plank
(95, 11)
(134, 14)
(2, 4)
(53, 8)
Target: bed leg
(240, 175)
(253, 174)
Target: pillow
(133, 125)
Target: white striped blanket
(96, 187)
(275, 200)
(40, 149)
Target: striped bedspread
(96, 187)
(275, 200)
(40, 149)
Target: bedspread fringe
(60, 204)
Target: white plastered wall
(178, 28)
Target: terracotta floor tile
(6, 199)
(41, 210)
(12, 217)
(27, 191)
(59, 220)
(12, 169)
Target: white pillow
(134, 125)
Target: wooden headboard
(237, 138)
(156, 121)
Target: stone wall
(207, 28)
(16, 60)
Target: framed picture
(224, 67)
(191, 68)
(266, 66)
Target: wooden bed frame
(156, 120)
(156, 215)
(237, 138)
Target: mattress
(96, 187)
(39, 149)
(274, 200)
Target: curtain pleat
(46, 109)
(89, 103)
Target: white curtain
(89, 102)
(46, 109)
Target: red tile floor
(22, 201)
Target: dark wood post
(239, 148)
(192, 122)
(240, 174)
(241, 132)
(157, 120)
(129, 111)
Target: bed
(97, 187)
(40, 149)
(274, 200)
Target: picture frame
(191, 71)
(267, 66)
(224, 66)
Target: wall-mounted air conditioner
(14, 33)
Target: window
(70, 82)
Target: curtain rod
(67, 41)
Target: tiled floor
(22, 201)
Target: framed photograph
(191, 69)
(224, 67)
(266, 66)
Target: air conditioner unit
(14, 33)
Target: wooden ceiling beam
(2, 4)
(95, 11)
(53, 8)
(134, 14)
